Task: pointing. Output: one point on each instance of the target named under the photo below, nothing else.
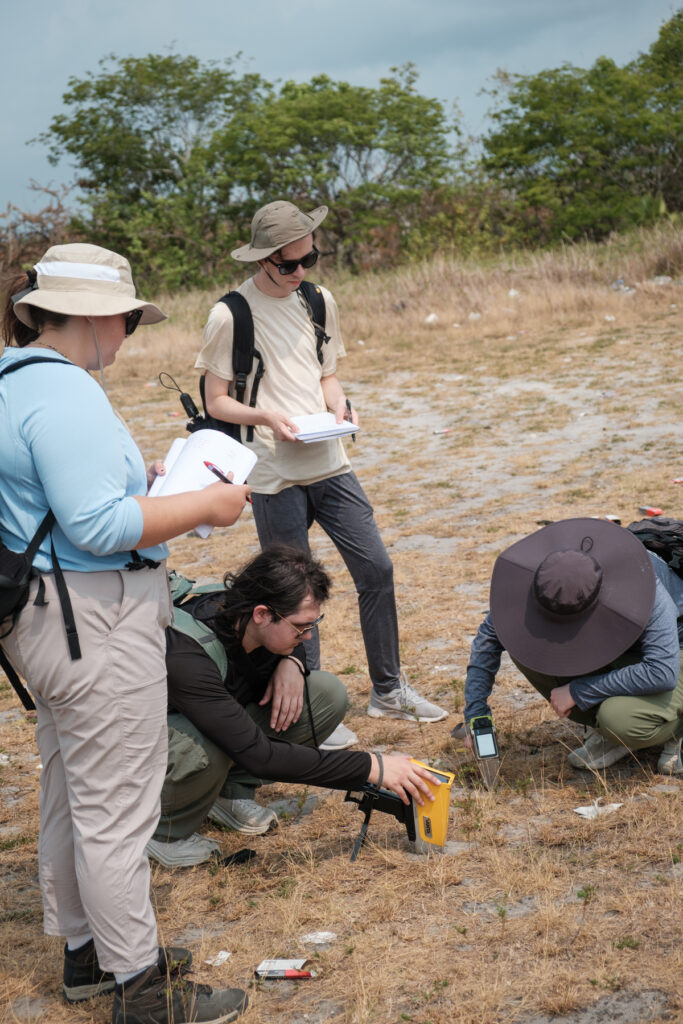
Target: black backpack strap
(19, 688)
(67, 610)
(314, 301)
(32, 359)
(243, 352)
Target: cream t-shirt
(284, 336)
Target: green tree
(371, 155)
(583, 152)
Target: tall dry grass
(551, 410)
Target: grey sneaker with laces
(404, 702)
(596, 752)
(153, 997)
(341, 739)
(670, 762)
(243, 816)
(183, 853)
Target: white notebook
(321, 426)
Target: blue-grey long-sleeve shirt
(655, 670)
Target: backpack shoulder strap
(186, 623)
(243, 350)
(32, 359)
(315, 302)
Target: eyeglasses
(132, 320)
(289, 266)
(299, 630)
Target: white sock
(78, 941)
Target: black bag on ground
(664, 537)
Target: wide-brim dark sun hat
(572, 597)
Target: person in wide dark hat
(587, 615)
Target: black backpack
(664, 537)
(244, 352)
(16, 573)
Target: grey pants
(198, 771)
(341, 509)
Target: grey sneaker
(152, 997)
(243, 816)
(182, 853)
(340, 739)
(670, 762)
(404, 702)
(596, 752)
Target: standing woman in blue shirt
(101, 716)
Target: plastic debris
(513, 293)
(220, 958)
(650, 510)
(152, 384)
(595, 809)
(609, 317)
(662, 279)
(432, 318)
(360, 341)
(319, 938)
(511, 337)
(474, 316)
(447, 430)
(677, 480)
(283, 969)
(458, 327)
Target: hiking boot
(85, 979)
(404, 702)
(596, 752)
(243, 816)
(340, 739)
(151, 997)
(183, 853)
(670, 762)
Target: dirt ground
(470, 436)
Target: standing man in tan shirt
(293, 483)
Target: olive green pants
(635, 722)
(198, 771)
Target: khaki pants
(199, 771)
(102, 738)
(635, 722)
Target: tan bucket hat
(275, 225)
(79, 279)
(570, 598)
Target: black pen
(348, 409)
(221, 476)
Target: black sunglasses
(289, 266)
(132, 320)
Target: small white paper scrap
(221, 956)
(596, 809)
(319, 937)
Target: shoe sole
(79, 993)
(227, 821)
(405, 715)
(338, 746)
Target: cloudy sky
(456, 45)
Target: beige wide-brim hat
(83, 280)
(276, 225)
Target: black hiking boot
(154, 997)
(85, 979)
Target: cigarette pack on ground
(283, 969)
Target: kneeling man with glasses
(242, 707)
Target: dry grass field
(541, 389)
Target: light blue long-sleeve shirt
(655, 668)
(62, 447)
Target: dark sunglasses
(132, 320)
(289, 266)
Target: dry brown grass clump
(559, 400)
